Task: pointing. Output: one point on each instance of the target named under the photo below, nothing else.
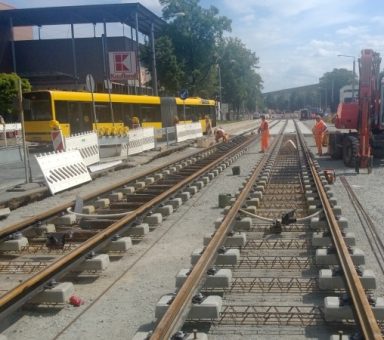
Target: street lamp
(219, 74)
(354, 73)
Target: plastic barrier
(135, 141)
(148, 139)
(58, 140)
(87, 144)
(139, 140)
(63, 170)
(188, 131)
(11, 129)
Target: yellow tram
(75, 112)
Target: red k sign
(122, 65)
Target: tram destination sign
(122, 65)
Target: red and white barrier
(63, 170)
(87, 144)
(58, 140)
(188, 131)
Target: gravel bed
(117, 305)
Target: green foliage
(241, 85)
(8, 94)
(169, 71)
(195, 33)
(326, 94)
(192, 52)
(332, 82)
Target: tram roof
(124, 13)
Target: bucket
(235, 170)
(330, 175)
(224, 200)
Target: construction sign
(123, 65)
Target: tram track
(275, 282)
(268, 285)
(142, 198)
(370, 228)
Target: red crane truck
(364, 118)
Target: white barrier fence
(139, 140)
(88, 145)
(63, 170)
(188, 131)
(148, 139)
(10, 127)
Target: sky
(296, 41)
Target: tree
(169, 71)
(195, 36)
(241, 84)
(9, 84)
(332, 82)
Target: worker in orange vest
(135, 122)
(318, 131)
(220, 134)
(264, 130)
(208, 126)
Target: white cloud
(352, 30)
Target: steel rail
(370, 229)
(10, 229)
(176, 313)
(70, 203)
(21, 293)
(363, 311)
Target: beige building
(20, 33)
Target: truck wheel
(350, 150)
(335, 145)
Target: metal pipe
(27, 167)
(154, 71)
(12, 45)
(138, 50)
(74, 53)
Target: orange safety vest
(264, 128)
(319, 127)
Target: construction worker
(208, 126)
(220, 134)
(135, 122)
(318, 131)
(264, 130)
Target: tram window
(150, 113)
(61, 110)
(180, 112)
(39, 110)
(103, 113)
(118, 112)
